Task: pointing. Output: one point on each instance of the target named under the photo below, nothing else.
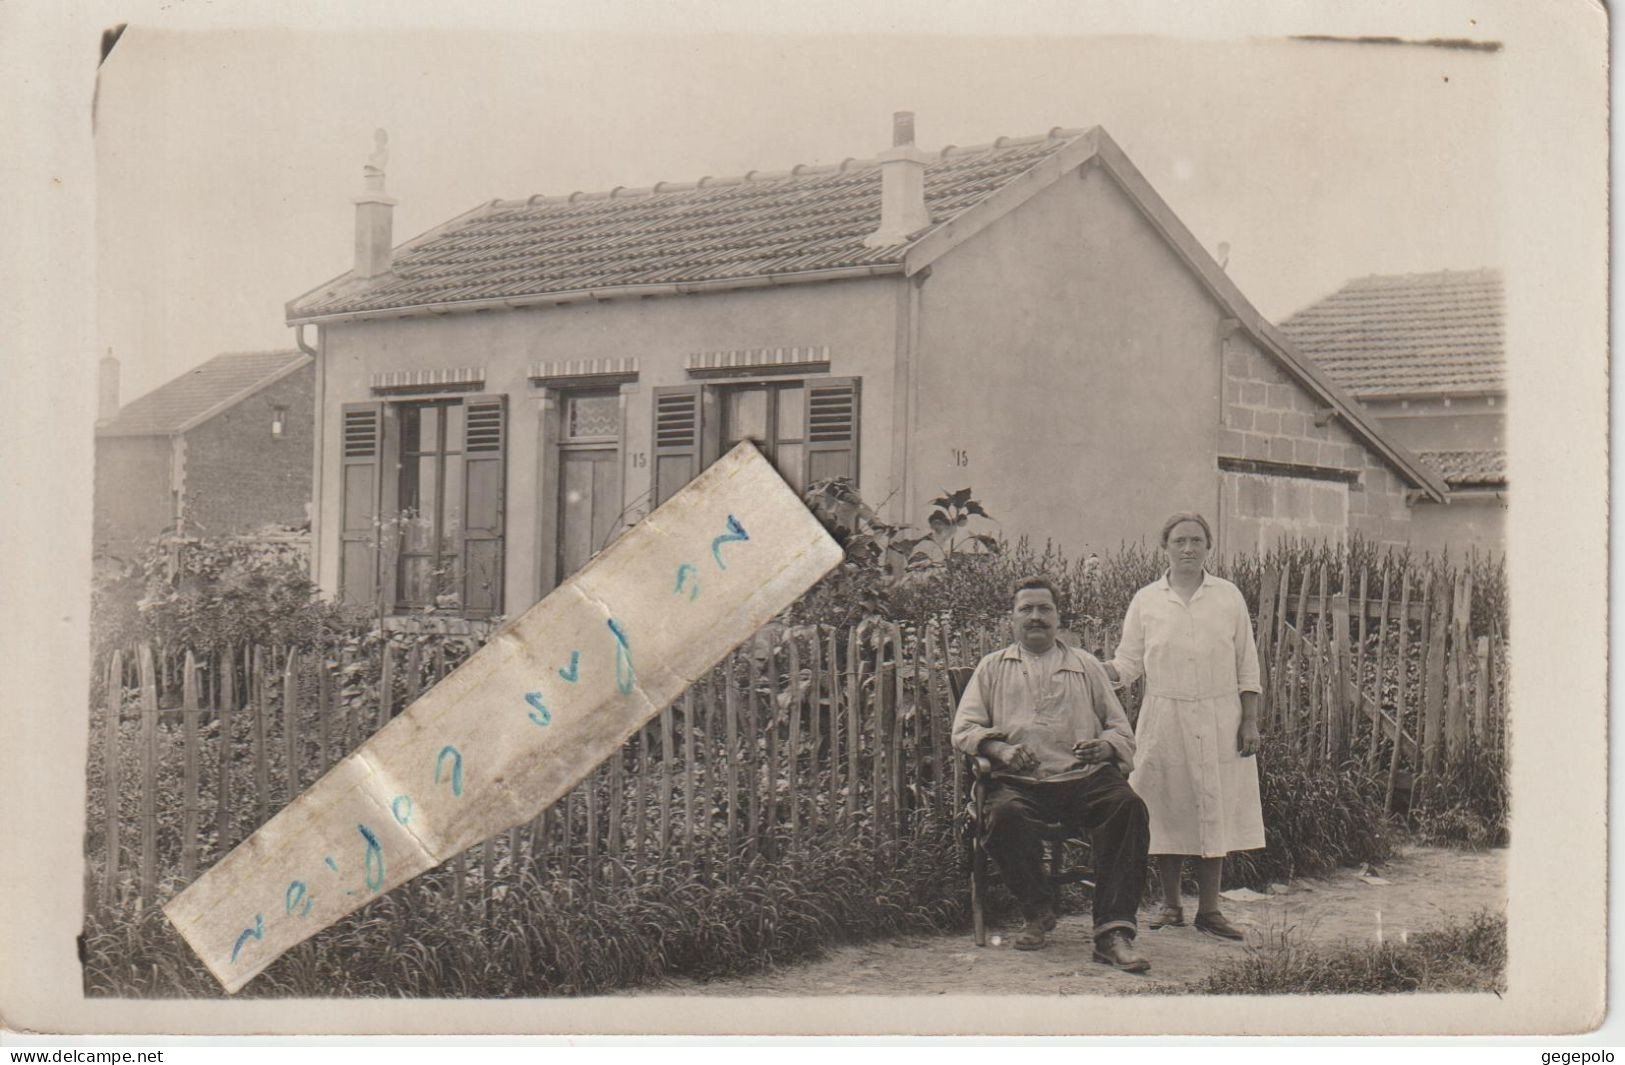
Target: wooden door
(589, 498)
(589, 503)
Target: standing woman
(1189, 635)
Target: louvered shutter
(360, 477)
(485, 449)
(832, 429)
(679, 413)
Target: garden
(801, 800)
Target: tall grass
(557, 936)
(1315, 820)
(1466, 804)
(1468, 955)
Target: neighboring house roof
(201, 393)
(1409, 334)
(805, 224)
(1469, 469)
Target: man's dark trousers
(1101, 803)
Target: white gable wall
(1069, 373)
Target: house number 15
(961, 457)
(639, 459)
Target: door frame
(550, 478)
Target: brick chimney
(374, 214)
(902, 187)
(107, 390)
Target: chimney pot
(107, 390)
(374, 214)
(902, 128)
(902, 187)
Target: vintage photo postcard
(978, 521)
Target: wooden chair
(1057, 837)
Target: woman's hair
(1189, 515)
(1036, 581)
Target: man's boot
(1046, 916)
(1032, 934)
(1116, 948)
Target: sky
(226, 158)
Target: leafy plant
(887, 570)
(949, 537)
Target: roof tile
(1410, 333)
(811, 218)
(1463, 469)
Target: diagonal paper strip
(513, 729)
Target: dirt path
(1425, 888)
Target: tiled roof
(1410, 333)
(174, 406)
(1468, 469)
(810, 218)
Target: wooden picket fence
(815, 734)
(803, 736)
(1384, 669)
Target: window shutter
(485, 449)
(679, 416)
(832, 429)
(360, 481)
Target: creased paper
(519, 724)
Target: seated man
(1044, 714)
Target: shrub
(207, 594)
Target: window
(808, 429)
(430, 507)
(439, 518)
(774, 418)
(592, 417)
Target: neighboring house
(223, 449)
(1426, 355)
(504, 393)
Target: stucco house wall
(1470, 522)
(1069, 372)
(1444, 423)
(132, 500)
(856, 320)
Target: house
(224, 449)
(1425, 355)
(502, 394)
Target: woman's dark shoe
(1167, 915)
(1214, 924)
(1116, 948)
